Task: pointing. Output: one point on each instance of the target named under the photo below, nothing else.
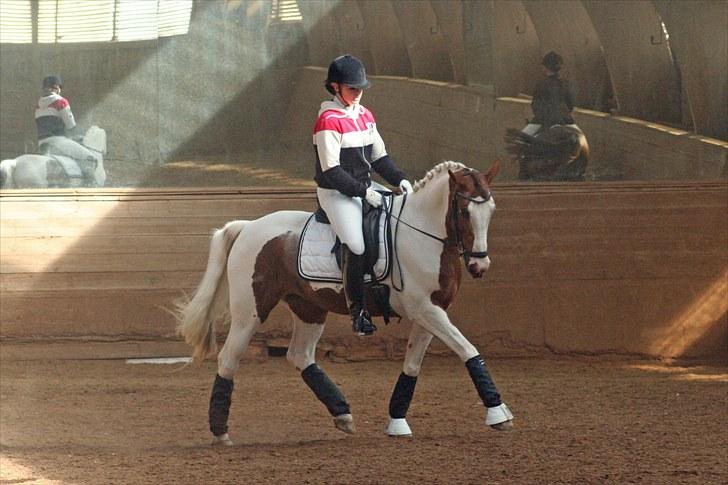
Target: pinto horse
(557, 153)
(252, 265)
(46, 170)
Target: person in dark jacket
(348, 146)
(553, 100)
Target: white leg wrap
(398, 427)
(498, 414)
(223, 440)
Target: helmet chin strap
(341, 98)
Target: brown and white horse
(252, 266)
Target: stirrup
(362, 324)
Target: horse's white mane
(439, 168)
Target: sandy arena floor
(577, 421)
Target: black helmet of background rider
(52, 80)
(552, 61)
(347, 69)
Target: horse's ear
(452, 175)
(492, 171)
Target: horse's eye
(464, 212)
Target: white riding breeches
(60, 145)
(533, 128)
(345, 215)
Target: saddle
(319, 252)
(61, 169)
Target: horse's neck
(427, 208)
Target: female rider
(348, 146)
(53, 117)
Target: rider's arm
(328, 147)
(383, 163)
(65, 113)
(388, 170)
(345, 183)
(568, 95)
(538, 103)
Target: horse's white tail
(196, 318)
(6, 174)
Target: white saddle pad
(316, 262)
(70, 166)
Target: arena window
(285, 11)
(15, 22)
(62, 21)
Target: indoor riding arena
(602, 317)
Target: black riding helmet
(52, 80)
(347, 69)
(552, 61)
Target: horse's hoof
(222, 440)
(504, 426)
(345, 423)
(398, 427)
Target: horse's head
(95, 139)
(470, 209)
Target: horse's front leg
(436, 321)
(419, 340)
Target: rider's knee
(356, 247)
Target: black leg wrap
(220, 400)
(325, 389)
(483, 382)
(402, 396)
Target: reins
(447, 241)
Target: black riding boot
(352, 266)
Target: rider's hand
(373, 197)
(405, 186)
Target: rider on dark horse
(348, 146)
(551, 146)
(553, 100)
(53, 118)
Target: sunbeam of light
(28, 248)
(200, 75)
(13, 472)
(700, 315)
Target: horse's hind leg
(302, 354)
(244, 321)
(419, 340)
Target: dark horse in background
(558, 153)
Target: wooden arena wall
(424, 122)
(609, 268)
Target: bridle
(457, 214)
